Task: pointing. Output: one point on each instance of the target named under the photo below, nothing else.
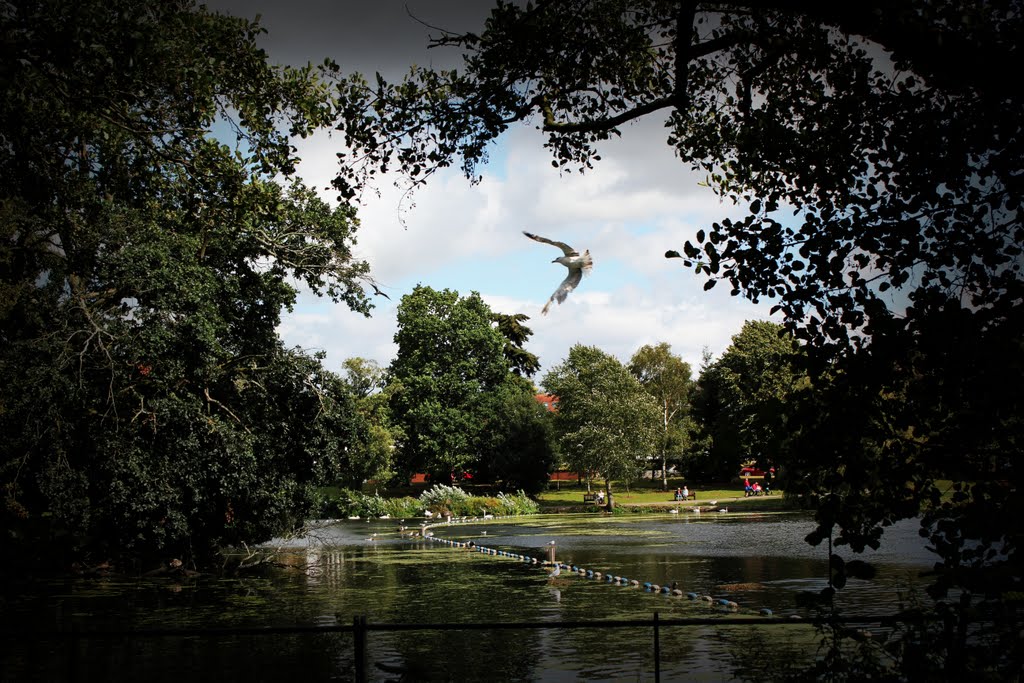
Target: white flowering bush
(349, 503)
(442, 498)
(516, 504)
(439, 499)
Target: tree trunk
(664, 442)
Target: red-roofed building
(550, 402)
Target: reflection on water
(759, 561)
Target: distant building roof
(550, 402)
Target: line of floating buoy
(720, 603)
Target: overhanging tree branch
(942, 54)
(607, 123)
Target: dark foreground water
(359, 568)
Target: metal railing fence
(361, 627)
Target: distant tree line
(459, 403)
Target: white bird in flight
(578, 265)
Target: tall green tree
(364, 376)
(746, 396)
(667, 378)
(607, 424)
(148, 405)
(372, 458)
(718, 453)
(519, 450)
(449, 358)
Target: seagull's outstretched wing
(566, 249)
(568, 284)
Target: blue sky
(637, 202)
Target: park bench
(589, 497)
(692, 495)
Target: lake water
(366, 568)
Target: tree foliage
(372, 458)
(364, 376)
(516, 334)
(455, 379)
(519, 446)
(148, 404)
(666, 377)
(607, 424)
(745, 396)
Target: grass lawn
(642, 496)
(648, 495)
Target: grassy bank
(648, 497)
(642, 497)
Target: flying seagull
(578, 265)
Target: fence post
(73, 658)
(657, 651)
(359, 635)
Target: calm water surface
(359, 568)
